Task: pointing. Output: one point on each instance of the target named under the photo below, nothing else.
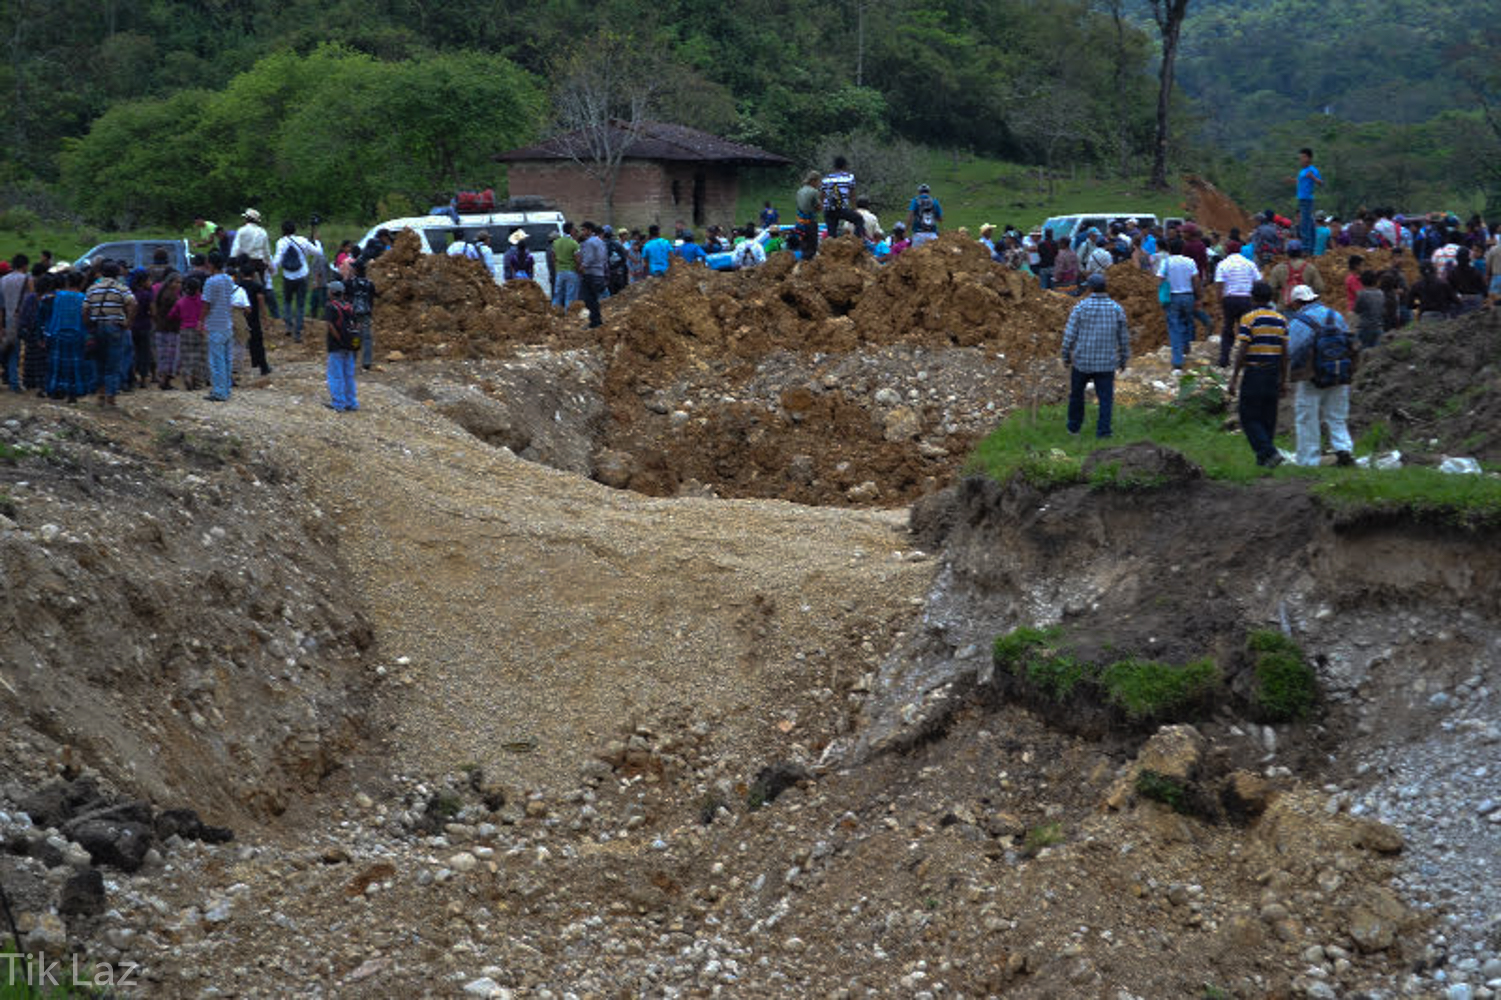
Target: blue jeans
(1180, 325)
(1305, 224)
(1045, 278)
(294, 298)
(341, 391)
(110, 339)
(1104, 387)
(565, 288)
(220, 362)
(11, 356)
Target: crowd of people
(1276, 333)
(107, 328)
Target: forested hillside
(127, 110)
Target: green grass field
(1041, 449)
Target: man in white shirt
(251, 241)
(1182, 276)
(1096, 259)
(750, 253)
(477, 249)
(292, 257)
(1234, 275)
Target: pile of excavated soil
(437, 305)
(1436, 381)
(1212, 209)
(1136, 291)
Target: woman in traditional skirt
(166, 340)
(33, 331)
(70, 370)
(193, 360)
(140, 329)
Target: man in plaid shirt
(1096, 345)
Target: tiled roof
(653, 141)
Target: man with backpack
(291, 257)
(1324, 358)
(839, 199)
(1288, 275)
(923, 216)
(748, 253)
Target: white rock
(463, 862)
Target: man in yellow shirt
(1261, 356)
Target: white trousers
(1313, 406)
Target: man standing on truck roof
(839, 199)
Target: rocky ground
(410, 702)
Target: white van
(436, 232)
(1070, 228)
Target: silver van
(437, 231)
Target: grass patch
(1285, 687)
(1042, 836)
(1147, 689)
(1160, 788)
(1466, 501)
(1141, 690)
(1039, 448)
(1108, 476)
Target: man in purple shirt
(594, 266)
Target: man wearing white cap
(251, 241)
(1323, 360)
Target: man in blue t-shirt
(691, 251)
(656, 251)
(923, 216)
(1308, 178)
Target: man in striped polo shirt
(1261, 357)
(108, 309)
(1234, 275)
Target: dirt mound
(437, 305)
(1438, 381)
(1211, 208)
(1136, 291)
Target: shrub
(1042, 836)
(1284, 686)
(1146, 689)
(1033, 654)
(1160, 788)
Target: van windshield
(536, 236)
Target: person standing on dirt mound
(565, 279)
(923, 216)
(809, 201)
(1181, 275)
(1261, 357)
(1308, 178)
(839, 199)
(1096, 345)
(1295, 271)
(594, 267)
(1236, 276)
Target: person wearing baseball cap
(1289, 274)
(1324, 357)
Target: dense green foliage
(334, 105)
(1392, 97)
(331, 105)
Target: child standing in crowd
(360, 293)
(343, 342)
(140, 330)
(192, 342)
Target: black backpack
(291, 258)
(927, 219)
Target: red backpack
(1294, 279)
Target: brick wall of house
(646, 191)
